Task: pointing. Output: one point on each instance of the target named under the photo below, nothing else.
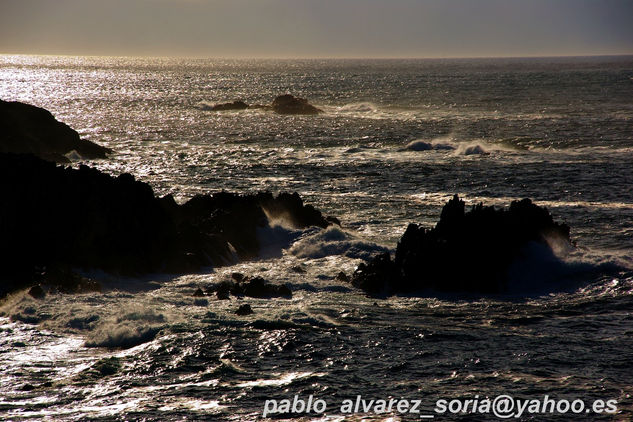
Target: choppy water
(397, 139)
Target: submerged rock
(55, 217)
(27, 129)
(288, 104)
(466, 251)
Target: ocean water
(396, 140)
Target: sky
(317, 28)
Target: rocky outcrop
(27, 129)
(288, 104)
(53, 217)
(283, 104)
(465, 252)
(235, 105)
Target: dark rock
(223, 290)
(60, 218)
(342, 277)
(260, 288)
(288, 104)
(37, 292)
(377, 277)
(252, 287)
(235, 105)
(298, 269)
(333, 220)
(466, 251)
(198, 293)
(244, 310)
(237, 276)
(67, 281)
(27, 129)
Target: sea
(395, 141)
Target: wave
(334, 241)
(362, 107)
(275, 238)
(122, 336)
(541, 270)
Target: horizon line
(204, 57)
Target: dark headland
(27, 129)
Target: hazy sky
(317, 28)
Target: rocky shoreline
(59, 217)
(56, 219)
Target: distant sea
(396, 140)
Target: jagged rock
(235, 105)
(27, 129)
(58, 217)
(466, 251)
(288, 104)
(244, 310)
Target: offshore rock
(37, 292)
(244, 310)
(28, 129)
(465, 252)
(59, 218)
(288, 104)
(235, 105)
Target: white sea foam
(334, 241)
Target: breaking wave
(334, 241)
